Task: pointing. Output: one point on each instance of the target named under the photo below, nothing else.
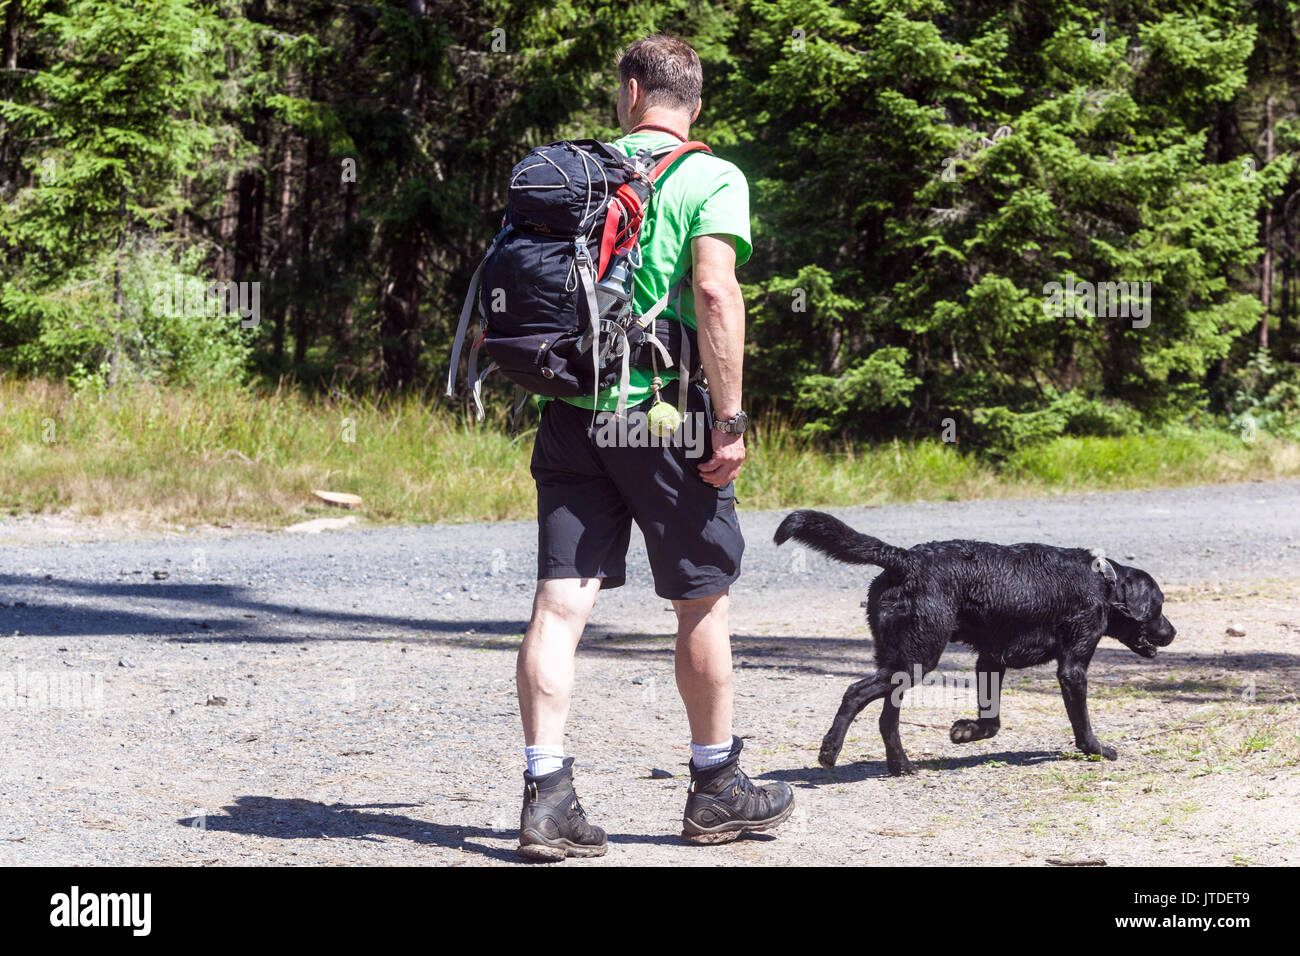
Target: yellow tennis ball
(663, 419)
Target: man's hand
(728, 456)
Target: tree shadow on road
(191, 613)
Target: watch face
(733, 426)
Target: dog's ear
(1139, 596)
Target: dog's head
(1136, 620)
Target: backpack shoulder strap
(693, 146)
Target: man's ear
(696, 114)
(1139, 596)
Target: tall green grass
(246, 457)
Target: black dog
(1017, 605)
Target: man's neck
(678, 123)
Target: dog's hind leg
(859, 694)
(895, 756)
(988, 686)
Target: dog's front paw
(964, 731)
(1095, 748)
(900, 768)
(829, 753)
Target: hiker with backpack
(611, 291)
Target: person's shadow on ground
(299, 819)
(296, 819)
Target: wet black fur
(1017, 605)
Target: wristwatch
(732, 426)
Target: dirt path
(349, 698)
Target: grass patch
(1249, 737)
(250, 457)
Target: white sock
(544, 759)
(708, 755)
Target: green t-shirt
(699, 195)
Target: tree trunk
(251, 189)
(1287, 315)
(282, 252)
(301, 310)
(9, 41)
(115, 356)
(400, 301)
(347, 320)
(226, 229)
(8, 59)
(400, 307)
(1266, 270)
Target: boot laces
(744, 788)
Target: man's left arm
(720, 322)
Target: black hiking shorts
(593, 483)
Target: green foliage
(877, 382)
(1266, 397)
(122, 112)
(182, 343)
(999, 432)
(946, 166)
(923, 174)
(76, 325)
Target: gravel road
(347, 697)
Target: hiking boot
(552, 824)
(723, 803)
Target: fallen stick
(1085, 861)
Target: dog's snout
(1164, 632)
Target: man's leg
(552, 825)
(583, 528)
(704, 667)
(544, 669)
(694, 544)
(723, 802)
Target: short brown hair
(667, 69)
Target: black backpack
(554, 291)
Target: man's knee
(694, 611)
(566, 601)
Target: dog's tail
(833, 538)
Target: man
(588, 494)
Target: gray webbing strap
(684, 383)
(476, 392)
(648, 321)
(520, 400)
(588, 282)
(653, 339)
(476, 380)
(466, 311)
(459, 341)
(653, 312)
(623, 380)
